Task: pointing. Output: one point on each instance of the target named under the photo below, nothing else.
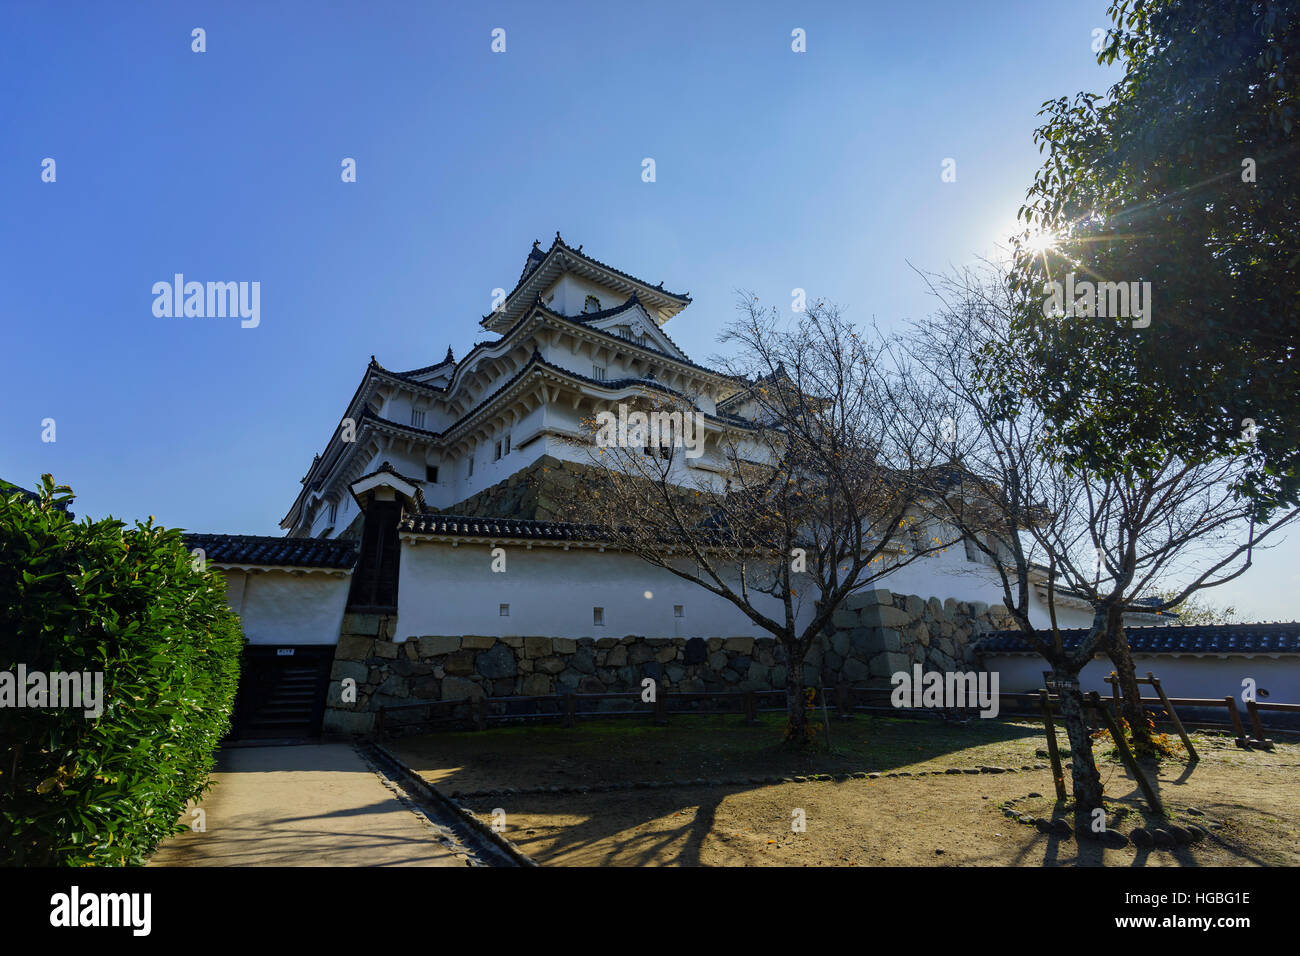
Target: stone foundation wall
(875, 634)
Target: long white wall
(1205, 676)
(445, 590)
(284, 607)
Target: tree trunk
(796, 722)
(1083, 766)
(1122, 657)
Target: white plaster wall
(445, 590)
(949, 573)
(283, 607)
(1181, 675)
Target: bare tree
(806, 491)
(1109, 540)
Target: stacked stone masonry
(874, 634)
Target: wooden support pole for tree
(1058, 778)
(479, 712)
(1231, 704)
(751, 708)
(826, 716)
(1257, 725)
(661, 707)
(1192, 756)
(1148, 791)
(570, 710)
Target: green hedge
(127, 602)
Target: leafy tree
(1181, 175)
(1198, 610)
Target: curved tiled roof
(1174, 639)
(536, 257)
(273, 551)
(468, 527)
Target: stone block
(394, 685)
(434, 646)
(617, 656)
(537, 646)
(583, 661)
(883, 615)
(457, 688)
(365, 625)
(537, 685)
(745, 645)
(855, 670)
(499, 662)
(845, 619)
(386, 649)
(888, 663)
(347, 722)
(477, 643)
(352, 648)
(460, 663)
(563, 645)
(665, 653)
(550, 665)
(640, 653)
(354, 669)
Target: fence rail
(844, 699)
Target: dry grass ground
(1250, 799)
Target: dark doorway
(374, 582)
(282, 691)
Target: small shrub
(97, 596)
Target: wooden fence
(844, 699)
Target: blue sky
(775, 170)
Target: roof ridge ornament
(450, 357)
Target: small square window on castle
(679, 610)
(505, 610)
(598, 616)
